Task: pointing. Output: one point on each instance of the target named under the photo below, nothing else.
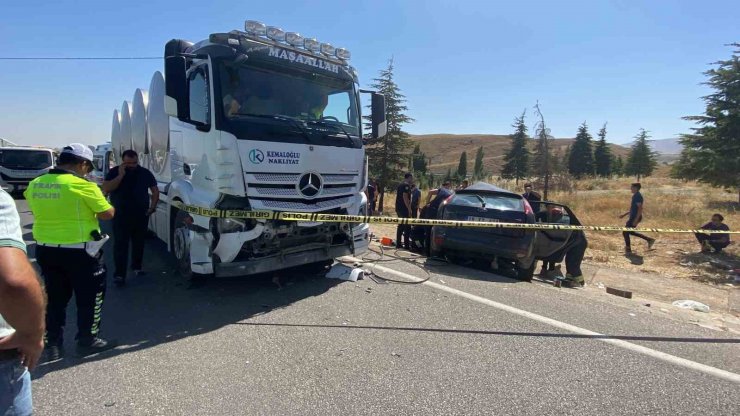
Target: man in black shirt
(403, 210)
(532, 197)
(129, 185)
(635, 216)
(371, 196)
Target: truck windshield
(25, 159)
(326, 106)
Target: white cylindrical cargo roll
(125, 127)
(115, 136)
(158, 124)
(138, 121)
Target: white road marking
(683, 362)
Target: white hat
(79, 150)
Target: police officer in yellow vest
(66, 209)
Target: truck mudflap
(297, 256)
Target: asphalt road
(470, 342)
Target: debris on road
(600, 285)
(442, 281)
(619, 292)
(631, 314)
(691, 304)
(342, 272)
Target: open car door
(551, 245)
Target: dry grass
(669, 203)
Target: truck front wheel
(181, 246)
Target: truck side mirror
(176, 98)
(379, 123)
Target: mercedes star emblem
(310, 184)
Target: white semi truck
(258, 119)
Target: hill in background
(444, 150)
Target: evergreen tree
(386, 155)
(516, 160)
(478, 167)
(418, 160)
(448, 176)
(542, 166)
(581, 157)
(617, 165)
(711, 153)
(462, 166)
(603, 155)
(641, 160)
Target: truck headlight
(229, 225)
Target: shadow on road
(502, 333)
(161, 306)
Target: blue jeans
(15, 389)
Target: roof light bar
(276, 34)
(312, 44)
(294, 38)
(342, 53)
(328, 49)
(254, 27)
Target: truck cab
(20, 165)
(257, 120)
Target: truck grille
(278, 191)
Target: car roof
(485, 187)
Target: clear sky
(465, 66)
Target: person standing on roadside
(21, 314)
(635, 216)
(129, 185)
(66, 209)
(532, 197)
(370, 192)
(403, 210)
(415, 198)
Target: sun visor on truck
(284, 56)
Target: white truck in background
(19, 165)
(258, 119)
(102, 162)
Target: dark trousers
(67, 271)
(403, 230)
(128, 228)
(627, 234)
(716, 245)
(574, 256)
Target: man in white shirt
(21, 314)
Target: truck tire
(525, 274)
(181, 247)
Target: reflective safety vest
(64, 207)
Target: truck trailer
(260, 119)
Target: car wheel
(525, 274)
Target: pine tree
(478, 167)
(386, 155)
(448, 176)
(418, 160)
(516, 160)
(711, 154)
(462, 166)
(617, 165)
(542, 166)
(581, 157)
(641, 160)
(603, 155)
